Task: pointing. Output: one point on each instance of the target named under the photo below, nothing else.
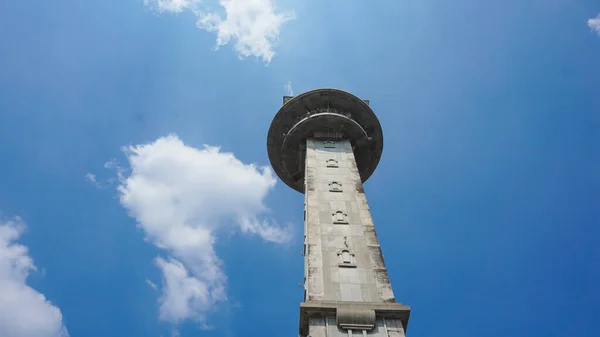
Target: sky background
(136, 197)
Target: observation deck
(325, 114)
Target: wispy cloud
(91, 178)
(289, 91)
(151, 284)
(594, 24)
(111, 164)
(252, 25)
(180, 196)
(24, 312)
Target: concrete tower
(325, 143)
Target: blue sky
(122, 127)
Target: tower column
(344, 267)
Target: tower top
(327, 114)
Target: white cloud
(24, 312)
(252, 25)
(594, 24)
(175, 6)
(289, 91)
(151, 284)
(91, 178)
(180, 197)
(184, 295)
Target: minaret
(325, 143)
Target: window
(346, 257)
(340, 217)
(335, 187)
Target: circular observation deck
(322, 114)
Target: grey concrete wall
(343, 260)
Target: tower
(325, 143)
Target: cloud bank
(252, 25)
(180, 197)
(24, 312)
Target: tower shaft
(347, 288)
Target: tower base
(347, 319)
